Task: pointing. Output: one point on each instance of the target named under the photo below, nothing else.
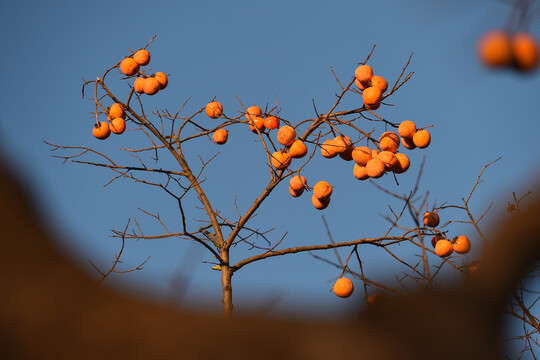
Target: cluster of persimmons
(149, 85)
(500, 49)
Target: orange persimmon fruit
(525, 51)
(389, 141)
(435, 239)
(256, 122)
(151, 86)
(403, 163)
(220, 136)
(163, 80)
(343, 287)
(296, 193)
(389, 159)
(298, 149)
(116, 111)
(375, 168)
(363, 73)
(129, 66)
(361, 155)
(495, 49)
(347, 154)
(138, 85)
(407, 129)
(462, 244)
(379, 82)
(360, 172)
(214, 109)
(322, 189)
(422, 139)
(271, 122)
(320, 204)
(101, 131)
(362, 85)
(297, 182)
(444, 248)
(281, 160)
(286, 135)
(117, 125)
(328, 149)
(342, 143)
(142, 57)
(408, 143)
(372, 96)
(431, 219)
(253, 111)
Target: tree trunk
(226, 276)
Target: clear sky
(261, 51)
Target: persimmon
(253, 111)
(435, 239)
(151, 86)
(403, 163)
(281, 160)
(271, 122)
(138, 85)
(407, 129)
(525, 51)
(117, 111)
(320, 204)
(375, 168)
(389, 159)
(163, 80)
(431, 219)
(322, 189)
(142, 57)
(298, 149)
(296, 193)
(341, 143)
(372, 96)
(495, 49)
(389, 141)
(129, 66)
(360, 172)
(214, 109)
(361, 155)
(328, 149)
(379, 82)
(297, 182)
(286, 135)
(374, 153)
(462, 244)
(408, 143)
(362, 85)
(101, 131)
(117, 125)
(444, 248)
(343, 287)
(220, 136)
(256, 122)
(422, 139)
(363, 73)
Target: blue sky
(261, 51)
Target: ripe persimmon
(462, 244)
(163, 80)
(343, 287)
(220, 136)
(214, 109)
(495, 49)
(374, 153)
(422, 139)
(403, 163)
(379, 82)
(101, 131)
(253, 111)
(286, 135)
(341, 143)
(347, 154)
(117, 125)
(362, 85)
(129, 66)
(138, 85)
(116, 111)
(389, 159)
(320, 204)
(328, 149)
(151, 86)
(375, 168)
(281, 160)
(322, 189)
(360, 172)
(431, 219)
(435, 239)
(361, 155)
(297, 182)
(271, 122)
(525, 51)
(408, 143)
(372, 96)
(444, 248)
(389, 141)
(363, 73)
(142, 57)
(298, 149)
(407, 129)
(256, 122)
